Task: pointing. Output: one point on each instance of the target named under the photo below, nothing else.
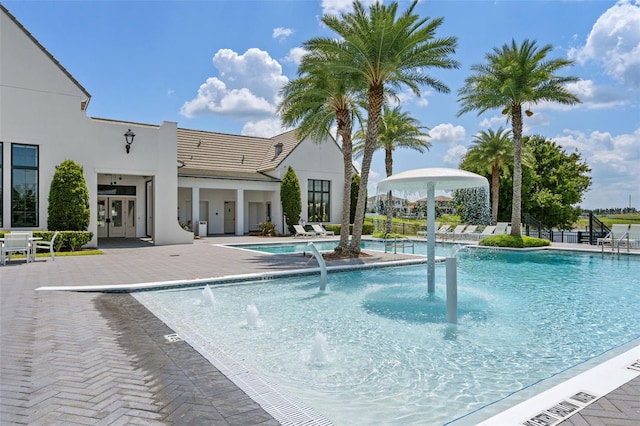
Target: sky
(218, 66)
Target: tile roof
(221, 155)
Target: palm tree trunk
(388, 164)
(347, 157)
(389, 212)
(516, 202)
(495, 195)
(376, 97)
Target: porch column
(240, 212)
(195, 208)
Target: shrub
(514, 242)
(267, 229)
(367, 228)
(290, 195)
(68, 199)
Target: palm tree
(492, 152)
(512, 77)
(397, 129)
(315, 101)
(383, 52)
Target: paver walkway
(102, 359)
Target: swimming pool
(390, 357)
(442, 249)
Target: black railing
(597, 229)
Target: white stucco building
(169, 176)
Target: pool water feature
(387, 354)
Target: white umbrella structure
(425, 182)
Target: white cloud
(454, 155)
(614, 162)
(336, 7)
(281, 33)
(295, 55)
(447, 133)
(247, 86)
(496, 120)
(263, 128)
(614, 41)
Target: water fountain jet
(319, 350)
(207, 296)
(251, 315)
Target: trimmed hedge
(367, 229)
(507, 240)
(65, 241)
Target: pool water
(303, 246)
(390, 358)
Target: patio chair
(501, 228)
(301, 232)
(443, 231)
(618, 230)
(634, 235)
(469, 232)
(456, 231)
(15, 243)
(486, 232)
(319, 230)
(436, 225)
(47, 245)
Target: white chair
(319, 229)
(15, 243)
(47, 245)
(618, 230)
(443, 231)
(436, 226)
(469, 232)
(501, 228)
(456, 231)
(301, 232)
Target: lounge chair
(319, 230)
(469, 232)
(634, 236)
(456, 231)
(618, 230)
(501, 228)
(436, 225)
(15, 243)
(301, 232)
(47, 245)
(443, 231)
(631, 238)
(486, 232)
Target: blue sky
(218, 66)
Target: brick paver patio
(102, 359)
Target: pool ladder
(403, 243)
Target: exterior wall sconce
(128, 137)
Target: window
(24, 186)
(319, 200)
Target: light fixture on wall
(128, 137)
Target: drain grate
(635, 365)
(559, 412)
(172, 338)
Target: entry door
(116, 217)
(229, 217)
